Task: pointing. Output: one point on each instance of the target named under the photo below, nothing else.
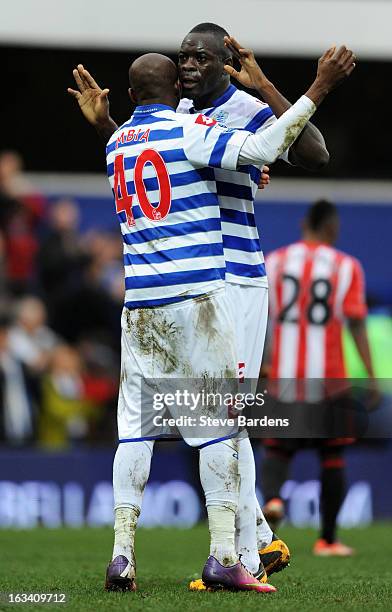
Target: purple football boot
(236, 578)
(120, 575)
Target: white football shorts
(192, 344)
(249, 306)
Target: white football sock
(220, 480)
(264, 531)
(124, 533)
(246, 540)
(131, 469)
(221, 523)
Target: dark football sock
(332, 494)
(274, 472)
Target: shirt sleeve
(267, 146)
(285, 155)
(354, 304)
(208, 144)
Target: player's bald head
(152, 76)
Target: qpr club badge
(221, 117)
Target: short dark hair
(217, 31)
(210, 28)
(320, 213)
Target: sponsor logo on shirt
(203, 120)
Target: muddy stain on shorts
(229, 373)
(211, 386)
(156, 336)
(123, 375)
(206, 321)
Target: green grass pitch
(73, 562)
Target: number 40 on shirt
(124, 200)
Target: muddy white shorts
(249, 306)
(188, 344)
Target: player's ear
(132, 95)
(228, 61)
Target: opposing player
(99, 99)
(314, 289)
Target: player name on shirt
(132, 135)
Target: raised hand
(93, 100)
(335, 65)
(250, 75)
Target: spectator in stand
(16, 409)
(66, 413)
(61, 256)
(31, 340)
(3, 280)
(106, 252)
(91, 308)
(100, 377)
(22, 209)
(9, 207)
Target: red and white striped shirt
(313, 288)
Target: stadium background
(57, 471)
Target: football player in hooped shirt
(206, 88)
(340, 64)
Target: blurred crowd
(61, 297)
